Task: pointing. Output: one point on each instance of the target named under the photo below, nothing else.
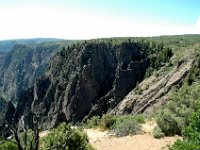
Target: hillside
(116, 76)
(7, 45)
(154, 91)
(99, 73)
(20, 66)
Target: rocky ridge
(154, 91)
(84, 80)
(98, 77)
(21, 66)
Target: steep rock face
(154, 91)
(84, 80)
(7, 111)
(21, 66)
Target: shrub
(157, 133)
(191, 135)
(127, 124)
(12, 144)
(183, 145)
(94, 122)
(137, 118)
(126, 127)
(66, 138)
(121, 125)
(192, 75)
(175, 116)
(6, 145)
(168, 122)
(107, 121)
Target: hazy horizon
(89, 19)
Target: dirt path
(103, 141)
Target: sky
(87, 19)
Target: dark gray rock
(21, 66)
(84, 80)
(7, 111)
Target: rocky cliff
(84, 80)
(154, 91)
(7, 111)
(21, 66)
(117, 76)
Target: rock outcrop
(154, 91)
(84, 80)
(7, 111)
(21, 66)
(91, 78)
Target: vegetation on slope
(66, 138)
(97, 72)
(7, 45)
(175, 118)
(121, 125)
(183, 102)
(191, 134)
(181, 115)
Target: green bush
(107, 121)
(138, 118)
(184, 145)
(175, 116)
(169, 122)
(66, 138)
(126, 127)
(28, 138)
(157, 133)
(192, 75)
(121, 125)
(94, 122)
(12, 145)
(191, 134)
(127, 124)
(162, 56)
(6, 145)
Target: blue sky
(85, 19)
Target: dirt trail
(102, 140)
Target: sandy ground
(104, 141)
(136, 142)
